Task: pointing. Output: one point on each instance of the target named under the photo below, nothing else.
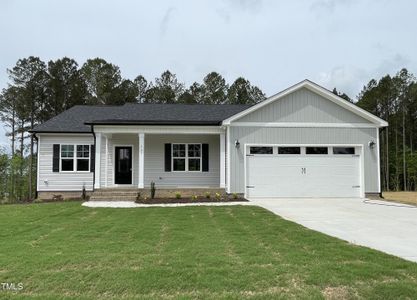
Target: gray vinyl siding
(114, 141)
(303, 106)
(154, 162)
(61, 181)
(154, 166)
(296, 136)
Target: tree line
(394, 99)
(38, 91)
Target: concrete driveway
(385, 226)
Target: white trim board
(315, 88)
(303, 125)
(378, 160)
(38, 146)
(228, 164)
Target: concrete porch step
(113, 198)
(115, 193)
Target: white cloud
(351, 79)
(328, 6)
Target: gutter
(155, 123)
(59, 132)
(37, 162)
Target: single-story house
(302, 142)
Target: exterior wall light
(371, 144)
(237, 144)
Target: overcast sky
(274, 44)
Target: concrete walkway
(131, 204)
(385, 226)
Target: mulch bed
(188, 200)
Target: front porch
(129, 158)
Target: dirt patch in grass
(188, 200)
(402, 197)
(339, 292)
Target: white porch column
(97, 162)
(222, 161)
(141, 160)
(107, 160)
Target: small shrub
(84, 194)
(37, 200)
(208, 195)
(138, 197)
(153, 190)
(178, 195)
(194, 197)
(145, 199)
(235, 196)
(218, 196)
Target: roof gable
(333, 112)
(303, 106)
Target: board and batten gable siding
(61, 181)
(302, 136)
(303, 105)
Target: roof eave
(156, 123)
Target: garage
(287, 171)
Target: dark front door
(123, 165)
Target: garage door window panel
(317, 150)
(343, 150)
(289, 150)
(261, 150)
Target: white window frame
(187, 157)
(74, 158)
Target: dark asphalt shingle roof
(78, 118)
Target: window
(178, 157)
(72, 160)
(67, 157)
(186, 157)
(316, 150)
(289, 150)
(260, 150)
(194, 157)
(343, 150)
(83, 157)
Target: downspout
(37, 163)
(94, 173)
(379, 149)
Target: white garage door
(303, 172)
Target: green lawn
(65, 251)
